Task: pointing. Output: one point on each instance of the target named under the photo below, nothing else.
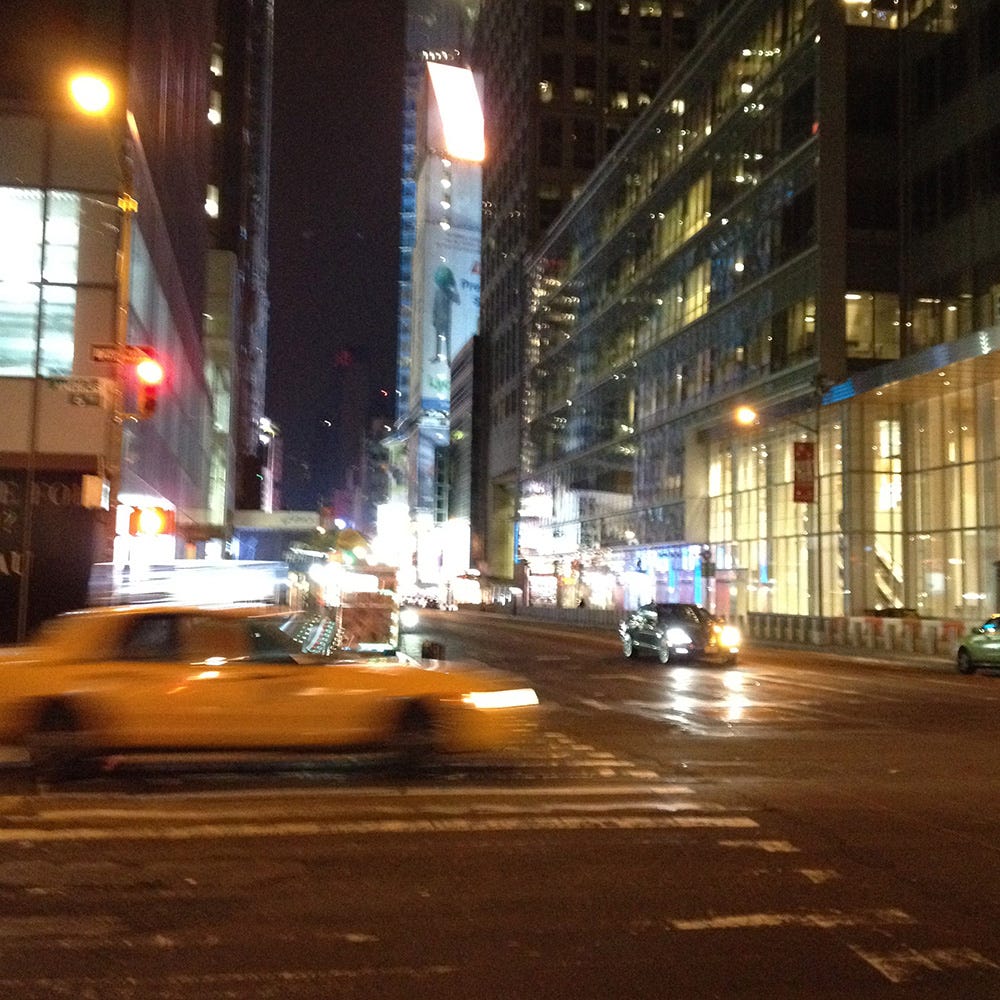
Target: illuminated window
(212, 201)
(215, 66)
(215, 108)
(37, 311)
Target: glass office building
(795, 227)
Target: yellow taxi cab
(165, 678)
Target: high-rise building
(104, 239)
(439, 30)
(562, 80)
(798, 231)
(241, 70)
(439, 263)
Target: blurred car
(159, 678)
(679, 632)
(979, 647)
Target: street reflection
(728, 704)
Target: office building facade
(796, 230)
(562, 81)
(102, 252)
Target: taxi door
(258, 694)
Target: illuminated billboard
(448, 309)
(459, 114)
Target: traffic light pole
(112, 458)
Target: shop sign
(804, 461)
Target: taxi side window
(151, 637)
(992, 625)
(216, 639)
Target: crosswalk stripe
(472, 824)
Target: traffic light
(151, 521)
(149, 375)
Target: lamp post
(93, 95)
(808, 481)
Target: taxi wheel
(964, 663)
(628, 646)
(57, 746)
(414, 741)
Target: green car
(980, 647)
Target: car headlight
(512, 698)
(677, 636)
(408, 618)
(729, 635)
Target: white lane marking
(215, 831)
(827, 920)
(18, 928)
(818, 876)
(637, 678)
(554, 658)
(903, 965)
(110, 987)
(560, 791)
(769, 846)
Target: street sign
(122, 354)
(86, 391)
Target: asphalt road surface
(801, 826)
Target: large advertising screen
(449, 306)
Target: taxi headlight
(677, 636)
(729, 635)
(513, 698)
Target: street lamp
(807, 481)
(90, 93)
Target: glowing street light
(92, 94)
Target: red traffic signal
(151, 521)
(149, 375)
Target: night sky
(334, 227)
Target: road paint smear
(481, 792)
(216, 831)
(113, 987)
(819, 875)
(21, 928)
(905, 964)
(769, 846)
(827, 920)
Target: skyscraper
(562, 80)
(102, 251)
(237, 205)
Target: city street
(800, 826)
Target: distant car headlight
(729, 635)
(513, 698)
(408, 618)
(677, 636)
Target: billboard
(449, 309)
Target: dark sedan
(679, 632)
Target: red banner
(804, 484)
